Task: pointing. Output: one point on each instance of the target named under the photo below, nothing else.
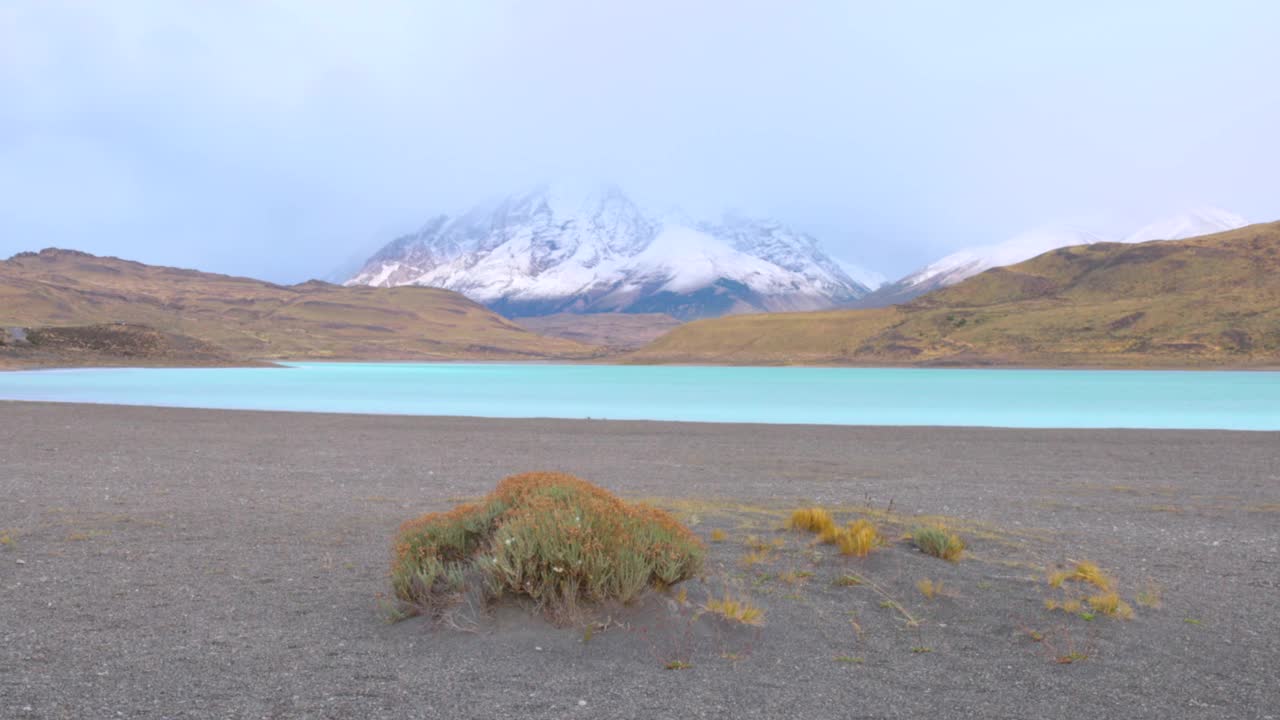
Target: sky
(283, 139)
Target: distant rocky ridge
(554, 251)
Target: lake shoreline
(899, 397)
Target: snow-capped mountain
(867, 278)
(1193, 223)
(553, 250)
(971, 261)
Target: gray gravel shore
(189, 563)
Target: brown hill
(619, 330)
(106, 345)
(254, 319)
(1206, 301)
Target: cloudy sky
(280, 139)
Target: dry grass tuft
(1083, 571)
(734, 610)
(755, 557)
(794, 577)
(812, 519)
(936, 541)
(929, 588)
(1109, 603)
(549, 536)
(718, 535)
(859, 539)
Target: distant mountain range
(966, 263)
(1212, 300)
(555, 250)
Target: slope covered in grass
(255, 319)
(1211, 300)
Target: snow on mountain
(1200, 221)
(971, 261)
(557, 250)
(869, 279)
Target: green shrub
(938, 542)
(549, 536)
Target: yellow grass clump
(549, 536)
(929, 588)
(1083, 571)
(1109, 603)
(812, 519)
(734, 610)
(858, 539)
(719, 535)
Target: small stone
(538, 648)
(582, 703)
(21, 561)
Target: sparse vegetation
(1104, 602)
(848, 580)
(858, 539)
(938, 542)
(718, 535)
(929, 588)
(1149, 596)
(549, 536)
(812, 519)
(849, 659)
(734, 610)
(1109, 603)
(1083, 571)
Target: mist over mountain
(968, 262)
(561, 249)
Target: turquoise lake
(838, 396)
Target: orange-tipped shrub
(549, 536)
(813, 519)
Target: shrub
(813, 519)
(858, 539)
(938, 542)
(549, 536)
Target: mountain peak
(1204, 220)
(588, 248)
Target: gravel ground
(187, 563)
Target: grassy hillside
(255, 319)
(107, 345)
(618, 330)
(1206, 301)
